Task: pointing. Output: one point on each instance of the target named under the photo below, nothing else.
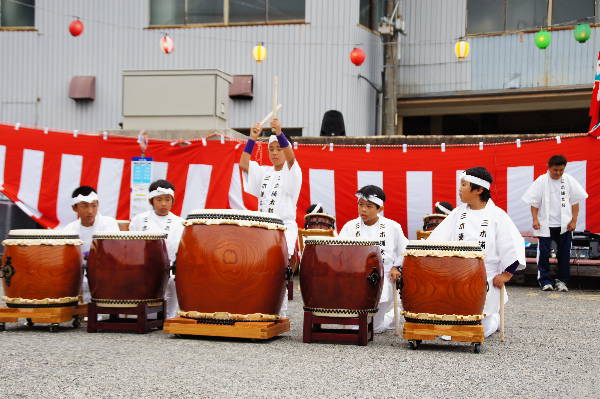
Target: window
(371, 12)
(186, 12)
(17, 14)
(484, 16)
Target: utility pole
(390, 26)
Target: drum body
(41, 268)
(127, 268)
(341, 277)
(430, 222)
(231, 261)
(443, 278)
(320, 221)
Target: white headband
(318, 208)
(442, 208)
(91, 197)
(272, 138)
(161, 191)
(371, 198)
(475, 180)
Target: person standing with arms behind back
(554, 199)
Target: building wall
(428, 65)
(311, 61)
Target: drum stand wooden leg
(253, 330)
(141, 324)
(290, 289)
(313, 330)
(52, 316)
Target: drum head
(129, 235)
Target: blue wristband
(249, 146)
(282, 140)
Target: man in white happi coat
(160, 219)
(479, 219)
(370, 224)
(554, 199)
(84, 202)
(277, 187)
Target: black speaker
(333, 124)
(12, 217)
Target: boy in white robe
(554, 199)
(160, 219)
(85, 204)
(277, 187)
(479, 219)
(372, 225)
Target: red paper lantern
(357, 56)
(76, 27)
(166, 44)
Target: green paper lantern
(542, 39)
(582, 33)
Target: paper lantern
(461, 49)
(357, 56)
(582, 33)
(76, 27)
(259, 52)
(542, 39)
(166, 44)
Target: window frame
(548, 26)
(226, 22)
(22, 28)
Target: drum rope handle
(7, 271)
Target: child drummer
(277, 187)
(479, 219)
(372, 225)
(160, 219)
(89, 221)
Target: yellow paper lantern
(259, 52)
(461, 49)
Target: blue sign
(141, 170)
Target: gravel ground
(551, 351)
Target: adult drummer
(479, 219)
(277, 187)
(84, 202)
(372, 225)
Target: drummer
(160, 219)
(479, 219)
(442, 208)
(277, 187)
(372, 225)
(84, 202)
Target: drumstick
(502, 295)
(274, 102)
(270, 115)
(396, 316)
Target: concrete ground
(551, 350)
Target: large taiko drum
(320, 221)
(126, 268)
(443, 281)
(231, 262)
(341, 277)
(41, 268)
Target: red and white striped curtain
(39, 170)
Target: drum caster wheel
(476, 347)
(29, 323)
(2, 327)
(53, 327)
(414, 343)
(76, 322)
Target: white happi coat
(394, 244)
(101, 223)
(277, 192)
(495, 232)
(170, 224)
(539, 196)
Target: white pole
(502, 296)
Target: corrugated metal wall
(311, 60)
(428, 64)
